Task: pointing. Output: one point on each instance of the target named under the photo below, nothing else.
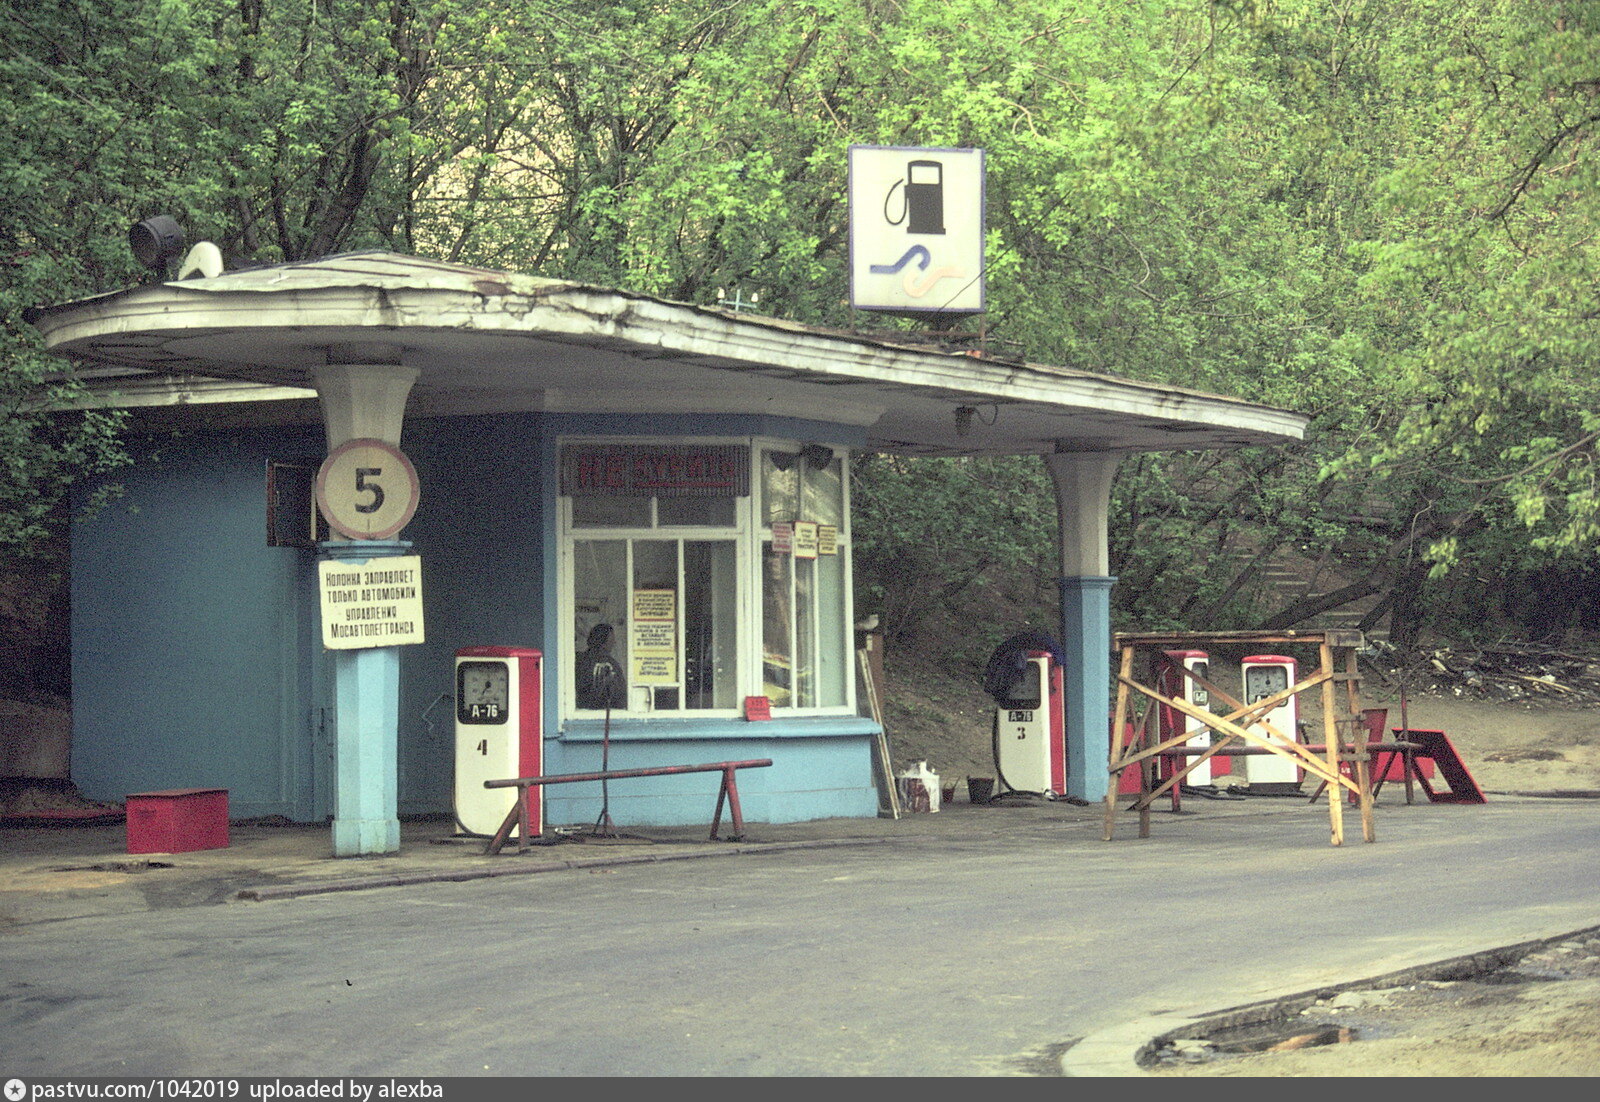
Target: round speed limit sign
(367, 489)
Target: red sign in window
(660, 470)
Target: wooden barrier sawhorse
(1244, 728)
(728, 793)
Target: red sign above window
(660, 470)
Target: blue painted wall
(197, 657)
(189, 664)
(479, 529)
(821, 768)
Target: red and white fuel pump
(1030, 729)
(499, 735)
(1171, 682)
(1265, 675)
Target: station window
(665, 612)
(666, 543)
(804, 596)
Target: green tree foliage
(1379, 212)
(269, 126)
(1490, 244)
(1457, 136)
(67, 168)
(921, 543)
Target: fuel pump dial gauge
(1261, 682)
(483, 692)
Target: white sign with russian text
(376, 603)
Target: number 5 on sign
(367, 489)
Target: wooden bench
(728, 793)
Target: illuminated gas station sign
(916, 230)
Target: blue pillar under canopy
(1082, 482)
(362, 389)
(366, 686)
(1086, 642)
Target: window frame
(811, 613)
(750, 535)
(293, 519)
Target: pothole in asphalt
(116, 866)
(1284, 1040)
(1276, 1037)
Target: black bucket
(980, 790)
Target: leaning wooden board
(873, 702)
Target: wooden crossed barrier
(1243, 731)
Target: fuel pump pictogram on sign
(924, 198)
(916, 229)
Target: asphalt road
(978, 955)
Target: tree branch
(1531, 169)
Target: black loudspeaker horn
(156, 241)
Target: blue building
(585, 457)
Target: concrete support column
(366, 702)
(365, 400)
(1083, 497)
(1086, 641)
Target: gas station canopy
(487, 341)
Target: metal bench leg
(518, 817)
(729, 792)
(501, 836)
(522, 817)
(1382, 761)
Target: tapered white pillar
(365, 400)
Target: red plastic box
(178, 820)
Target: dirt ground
(1536, 1017)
